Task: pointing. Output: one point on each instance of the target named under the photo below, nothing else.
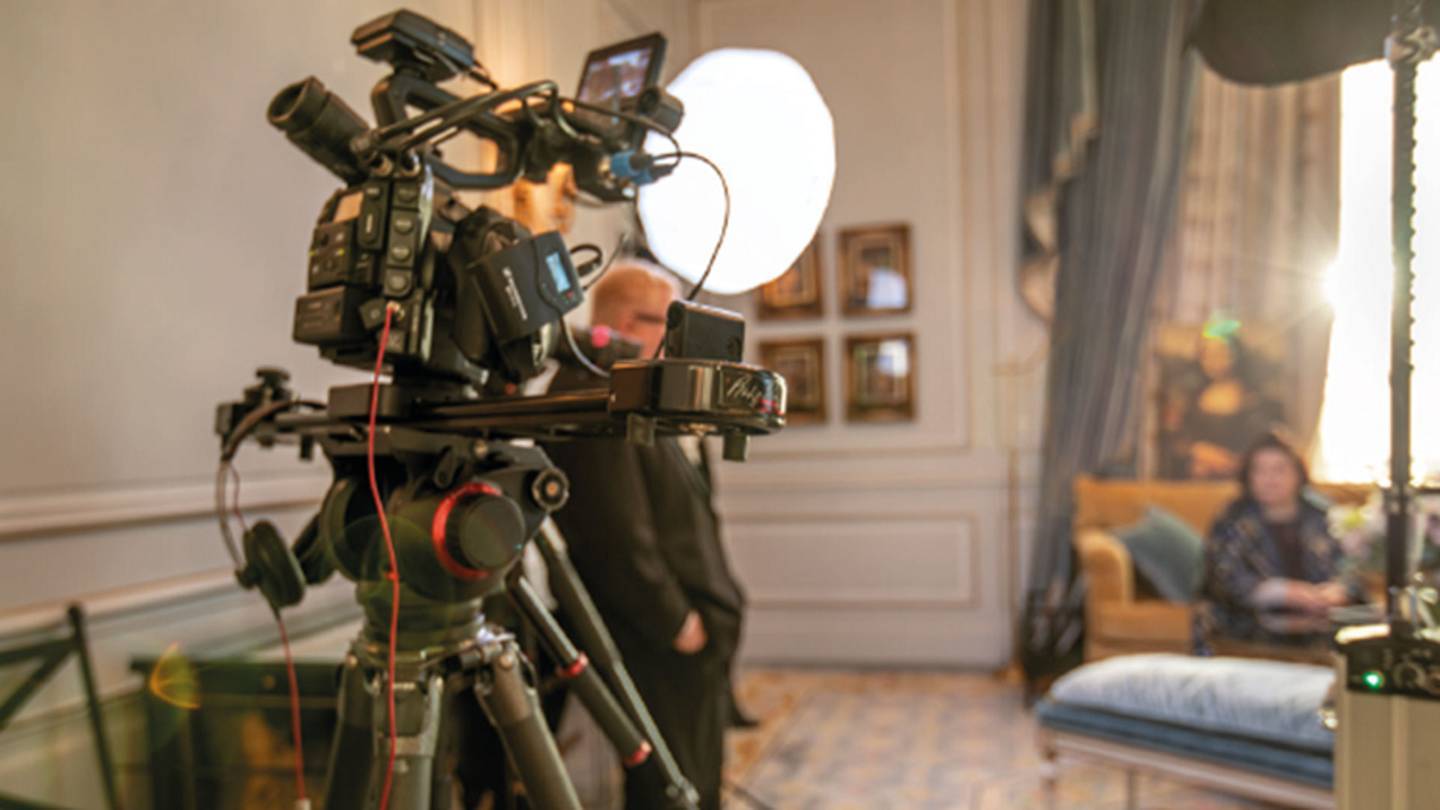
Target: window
(1355, 419)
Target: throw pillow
(1167, 553)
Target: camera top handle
(393, 94)
(422, 53)
(528, 141)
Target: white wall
(899, 544)
(151, 244)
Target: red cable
(393, 574)
(294, 710)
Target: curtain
(1113, 213)
(1060, 118)
(1257, 227)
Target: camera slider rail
(644, 399)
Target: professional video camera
(436, 487)
(474, 293)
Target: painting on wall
(880, 378)
(875, 276)
(802, 364)
(798, 293)
(1218, 388)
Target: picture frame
(802, 363)
(798, 293)
(1192, 366)
(875, 272)
(880, 377)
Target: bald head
(632, 299)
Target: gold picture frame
(875, 273)
(880, 377)
(802, 363)
(798, 292)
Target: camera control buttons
(397, 282)
(371, 225)
(407, 195)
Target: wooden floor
(834, 740)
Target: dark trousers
(689, 697)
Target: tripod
(463, 506)
(462, 511)
(445, 652)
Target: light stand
(1411, 43)
(1387, 742)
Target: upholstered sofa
(1117, 620)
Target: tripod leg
(595, 639)
(515, 712)
(350, 752)
(417, 732)
(588, 686)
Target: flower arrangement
(1361, 532)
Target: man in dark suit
(644, 536)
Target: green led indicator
(1374, 680)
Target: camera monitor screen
(621, 71)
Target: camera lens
(321, 124)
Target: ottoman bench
(1243, 726)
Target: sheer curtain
(1354, 442)
(1257, 227)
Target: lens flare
(174, 680)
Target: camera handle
(401, 89)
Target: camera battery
(329, 317)
(695, 331)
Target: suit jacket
(645, 539)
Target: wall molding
(867, 637)
(136, 620)
(120, 603)
(968, 597)
(910, 447)
(910, 516)
(876, 481)
(73, 510)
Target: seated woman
(1271, 565)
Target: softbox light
(758, 115)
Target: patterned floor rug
(911, 741)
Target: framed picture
(1218, 388)
(797, 293)
(875, 274)
(802, 364)
(880, 378)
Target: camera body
(476, 301)
(475, 296)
